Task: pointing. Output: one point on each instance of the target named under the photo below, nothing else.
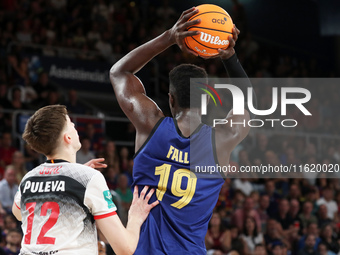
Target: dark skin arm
(227, 137)
(142, 111)
(138, 107)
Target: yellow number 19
(186, 194)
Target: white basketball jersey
(59, 203)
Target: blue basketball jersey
(179, 223)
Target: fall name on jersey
(44, 186)
(177, 155)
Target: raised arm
(129, 90)
(229, 136)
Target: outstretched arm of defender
(129, 90)
(124, 240)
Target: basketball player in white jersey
(59, 201)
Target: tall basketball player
(162, 161)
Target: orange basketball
(215, 27)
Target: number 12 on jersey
(186, 194)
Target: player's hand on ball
(140, 207)
(179, 31)
(225, 54)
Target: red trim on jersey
(17, 206)
(97, 217)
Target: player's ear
(171, 100)
(67, 138)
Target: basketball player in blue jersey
(163, 159)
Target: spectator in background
(327, 199)
(73, 105)
(16, 102)
(32, 158)
(328, 237)
(234, 242)
(53, 97)
(238, 200)
(309, 248)
(260, 250)
(273, 236)
(95, 138)
(79, 38)
(24, 34)
(294, 210)
(84, 154)
(93, 35)
(337, 199)
(10, 222)
(13, 240)
(216, 237)
(277, 249)
(312, 196)
(6, 149)
(323, 216)
(18, 163)
(125, 193)
(323, 250)
(306, 217)
(110, 153)
(295, 192)
(282, 216)
(262, 211)
(103, 46)
(8, 188)
(18, 69)
(274, 197)
(255, 195)
(111, 176)
(312, 229)
(42, 87)
(251, 235)
(102, 11)
(124, 159)
(128, 171)
(239, 216)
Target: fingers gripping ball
(215, 27)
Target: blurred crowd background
(252, 216)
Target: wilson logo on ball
(213, 39)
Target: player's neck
(188, 120)
(69, 156)
(190, 115)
